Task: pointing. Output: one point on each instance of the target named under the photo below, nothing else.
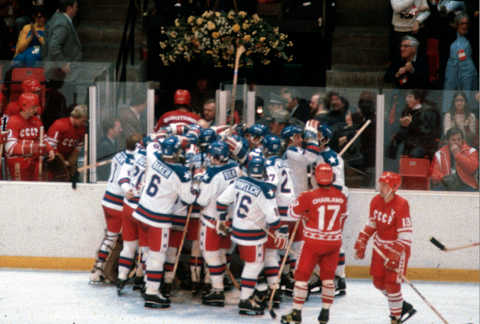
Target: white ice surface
(48, 297)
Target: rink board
(52, 226)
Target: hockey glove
(394, 255)
(221, 228)
(177, 128)
(281, 237)
(362, 240)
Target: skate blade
(156, 306)
(215, 304)
(340, 293)
(250, 312)
(409, 314)
(97, 283)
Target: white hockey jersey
(214, 182)
(165, 183)
(113, 197)
(298, 160)
(336, 162)
(279, 174)
(132, 176)
(254, 208)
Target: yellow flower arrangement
(216, 35)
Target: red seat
(20, 74)
(415, 173)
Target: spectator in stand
(24, 148)
(411, 70)
(209, 111)
(455, 165)
(460, 116)
(182, 112)
(28, 85)
(460, 73)
(297, 107)
(66, 136)
(55, 102)
(318, 109)
(338, 109)
(109, 146)
(420, 129)
(408, 18)
(367, 110)
(28, 52)
(132, 118)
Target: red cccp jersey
(64, 137)
(20, 129)
(324, 211)
(177, 116)
(391, 220)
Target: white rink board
(46, 297)
(53, 220)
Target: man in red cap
(182, 112)
(24, 146)
(28, 85)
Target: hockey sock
(271, 267)
(395, 299)
(170, 263)
(196, 264)
(106, 248)
(216, 268)
(328, 293)
(250, 274)
(154, 271)
(300, 292)
(126, 260)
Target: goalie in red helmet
(182, 113)
(23, 145)
(390, 224)
(323, 212)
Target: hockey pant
(23, 168)
(253, 256)
(157, 239)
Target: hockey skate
(166, 289)
(315, 287)
(294, 317)
(407, 312)
(261, 298)
(96, 276)
(249, 307)
(120, 284)
(394, 320)
(156, 301)
(340, 286)
(277, 298)
(196, 288)
(287, 283)
(214, 298)
(324, 316)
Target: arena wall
(52, 226)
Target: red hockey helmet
(392, 179)
(181, 97)
(31, 85)
(324, 174)
(27, 100)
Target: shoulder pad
(268, 189)
(182, 172)
(271, 161)
(330, 157)
(228, 170)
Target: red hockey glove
(362, 240)
(394, 255)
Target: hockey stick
(446, 249)
(85, 157)
(40, 158)
(359, 132)
(95, 165)
(377, 249)
(230, 275)
(284, 261)
(240, 51)
(184, 235)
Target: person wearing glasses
(411, 71)
(28, 52)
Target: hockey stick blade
(272, 314)
(437, 243)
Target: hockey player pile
(280, 202)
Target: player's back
(280, 175)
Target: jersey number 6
(153, 186)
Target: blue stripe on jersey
(112, 198)
(248, 235)
(155, 217)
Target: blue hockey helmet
(257, 130)
(256, 167)
(219, 150)
(272, 144)
(289, 131)
(207, 136)
(171, 147)
(325, 134)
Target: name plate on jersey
(229, 174)
(162, 169)
(247, 187)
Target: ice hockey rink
(46, 297)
